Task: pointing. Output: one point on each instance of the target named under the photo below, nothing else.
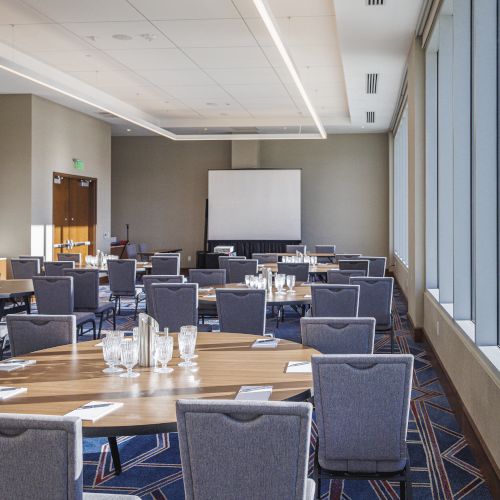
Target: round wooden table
(316, 269)
(69, 376)
(302, 295)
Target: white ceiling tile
(308, 30)
(228, 57)
(69, 11)
(177, 113)
(209, 93)
(152, 59)
(317, 75)
(286, 8)
(244, 76)
(37, 37)
(110, 35)
(73, 60)
(186, 77)
(247, 94)
(103, 79)
(207, 33)
(13, 12)
(316, 55)
(186, 9)
(139, 93)
(260, 32)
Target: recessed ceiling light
(205, 129)
(120, 36)
(211, 103)
(148, 36)
(129, 130)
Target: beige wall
(15, 165)
(60, 134)
(159, 187)
(345, 189)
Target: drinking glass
(187, 343)
(111, 352)
(280, 283)
(129, 351)
(247, 280)
(290, 282)
(164, 346)
(253, 281)
(261, 283)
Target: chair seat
(204, 328)
(134, 294)
(108, 496)
(83, 317)
(101, 308)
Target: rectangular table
(11, 290)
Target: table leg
(115, 455)
(27, 304)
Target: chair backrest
(131, 251)
(241, 310)
(39, 258)
(121, 275)
(377, 266)
(75, 257)
(175, 304)
(375, 299)
(166, 265)
(339, 335)
(342, 277)
(54, 295)
(257, 449)
(296, 248)
(41, 457)
(152, 279)
(57, 268)
(347, 256)
(325, 249)
(362, 404)
(207, 277)
(224, 261)
(33, 332)
(85, 288)
(238, 269)
(299, 269)
(143, 247)
(355, 265)
(335, 301)
(25, 269)
(265, 258)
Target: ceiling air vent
(370, 117)
(375, 2)
(371, 83)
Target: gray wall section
(159, 187)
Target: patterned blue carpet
(442, 463)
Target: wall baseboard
(481, 453)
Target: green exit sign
(78, 164)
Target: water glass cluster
(255, 282)
(299, 258)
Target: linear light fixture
(265, 14)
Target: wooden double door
(74, 214)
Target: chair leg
(119, 305)
(115, 455)
(114, 319)
(93, 330)
(101, 319)
(393, 335)
(136, 306)
(402, 490)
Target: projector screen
(254, 204)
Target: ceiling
(210, 66)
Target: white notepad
(266, 343)
(299, 367)
(15, 364)
(206, 289)
(254, 392)
(8, 392)
(307, 296)
(94, 410)
(211, 296)
(100, 344)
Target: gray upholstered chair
(265, 258)
(325, 249)
(362, 406)
(166, 265)
(241, 310)
(132, 251)
(224, 261)
(257, 450)
(55, 295)
(338, 335)
(86, 293)
(377, 266)
(25, 269)
(375, 301)
(151, 279)
(347, 256)
(335, 301)
(341, 277)
(121, 275)
(33, 332)
(299, 269)
(295, 248)
(39, 258)
(175, 304)
(355, 265)
(75, 257)
(238, 269)
(41, 459)
(207, 277)
(57, 268)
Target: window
(401, 188)
(462, 158)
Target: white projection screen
(254, 204)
